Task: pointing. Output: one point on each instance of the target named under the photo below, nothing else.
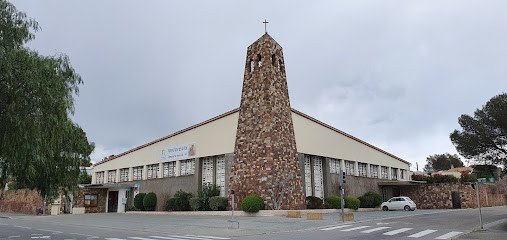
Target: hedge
(150, 201)
(370, 200)
(334, 202)
(217, 203)
(252, 204)
(352, 203)
(181, 202)
(169, 204)
(313, 202)
(195, 204)
(138, 201)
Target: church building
(264, 147)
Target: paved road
(421, 224)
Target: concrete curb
(261, 213)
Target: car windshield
(408, 199)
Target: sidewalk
(493, 231)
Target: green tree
(438, 162)
(40, 147)
(484, 136)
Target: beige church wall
(313, 138)
(213, 138)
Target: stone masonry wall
(265, 150)
(101, 200)
(22, 201)
(439, 196)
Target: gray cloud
(395, 74)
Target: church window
(349, 168)
(187, 167)
(280, 67)
(361, 167)
(207, 171)
(334, 165)
(169, 169)
(152, 171)
(394, 173)
(252, 65)
(374, 171)
(111, 176)
(384, 172)
(402, 174)
(220, 181)
(273, 60)
(318, 177)
(99, 177)
(137, 173)
(259, 60)
(308, 176)
(124, 175)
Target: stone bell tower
(265, 157)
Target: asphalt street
(421, 224)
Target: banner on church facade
(175, 152)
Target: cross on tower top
(265, 25)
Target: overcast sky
(396, 74)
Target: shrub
(130, 208)
(352, 203)
(150, 201)
(195, 203)
(169, 204)
(370, 200)
(467, 178)
(182, 201)
(313, 202)
(334, 202)
(217, 203)
(252, 204)
(138, 201)
(205, 194)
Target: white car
(404, 203)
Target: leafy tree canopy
(40, 147)
(439, 162)
(484, 136)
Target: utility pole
(342, 192)
(479, 204)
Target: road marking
(354, 228)
(448, 235)
(422, 233)
(335, 227)
(140, 238)
(375, 229)
(53, 231)
(22, 227)
(114, 238)
(44, 237)
(397, 231)
(212, 237)
(86, 235)
(170, 238)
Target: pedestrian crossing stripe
(174, 237)
(393, 232)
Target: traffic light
(343, 177)
(340, 188)
(232, 191)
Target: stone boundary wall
(23, 201)
(439, 195)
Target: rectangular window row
(334, 167)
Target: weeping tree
(40, 147)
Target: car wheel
(385, 208)
(407, 208)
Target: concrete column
(117, 175)
(389, 173)
(379, 169)
(398, 173)
(161, 170)
(178, 168)
(106, 174)
(342, 165)
(145, 172)
(409, 177)
(368, 170)
(131, 174)
(94, 177)
(356, 168)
